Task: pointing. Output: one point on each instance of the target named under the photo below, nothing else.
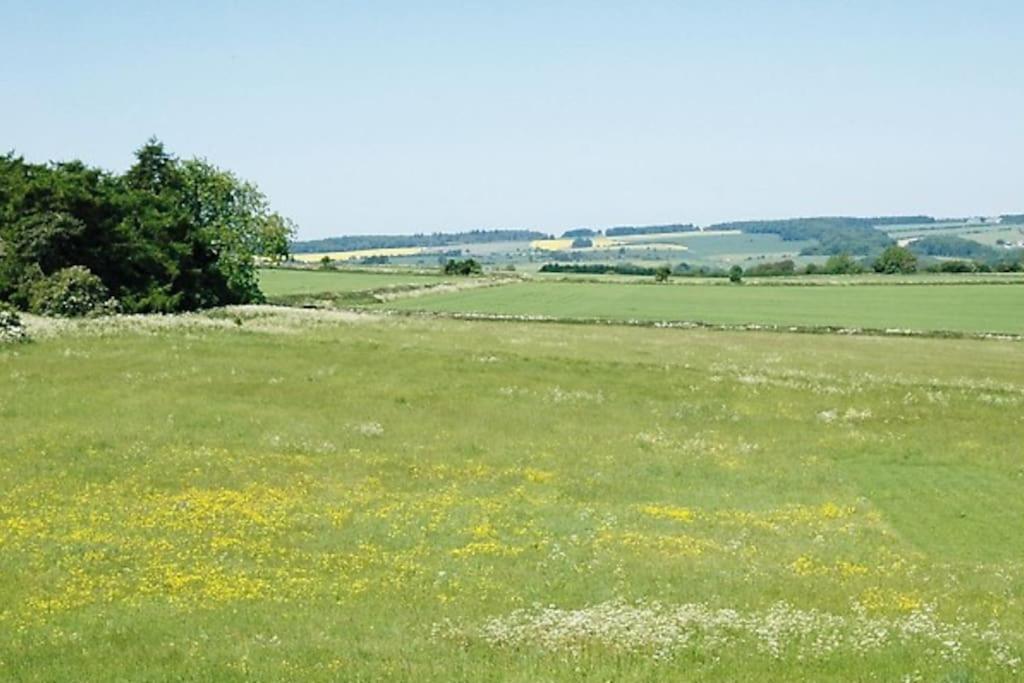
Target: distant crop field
(963, 308)
(718, 247)
(986, 233)
(314, 257)
(1012, 234)
(290, 281)
(270, 494)
(566, 243)
(736, 247)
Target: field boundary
(384, 294)
(781, 281)
(704, 325)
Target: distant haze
(406, 117)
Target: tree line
(437, 239)
(621, 230)
(167, 235)
(892, 260)
(833, 234)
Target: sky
(399, 117)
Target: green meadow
(974, 308)
(263, 494)
(277, 282)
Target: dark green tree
(842, 264)
(464, 267)
(165, 236)
(236, 220)
(896, 259)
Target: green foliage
(662, 273)
(736, 274)
(687, 270)
(621, 230)
(582, 243)
(11, 328)
(236, 220)
(955, 266)
(1013, 265)
(167, 235)
(834, 234)
(896, 259)
(950, 245)
(842, 264)
(777, 268)
(961, 248)
(71, 292)
(464, 267)
(597, 268)
(439, 239)
(580, 232)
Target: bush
(736, 275)
(896, 260)
(597, 268)
(466, 267)
(777, 268)
(842, 264)
(71, 292)
(955, 266)
(662, 273)
(582, 243)
(11, 329)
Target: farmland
(708, 248)
(526, 342)
(749, 244)
(268, 494)
(284, 282)
(356, 254)
(949, 307)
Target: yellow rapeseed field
(357, 254)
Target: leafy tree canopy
(167, 235)
(649, 229)
(465, 267)
(896, 259)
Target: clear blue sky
(363, 117)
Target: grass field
(963, 308)
(276, 282)
(322, 496)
